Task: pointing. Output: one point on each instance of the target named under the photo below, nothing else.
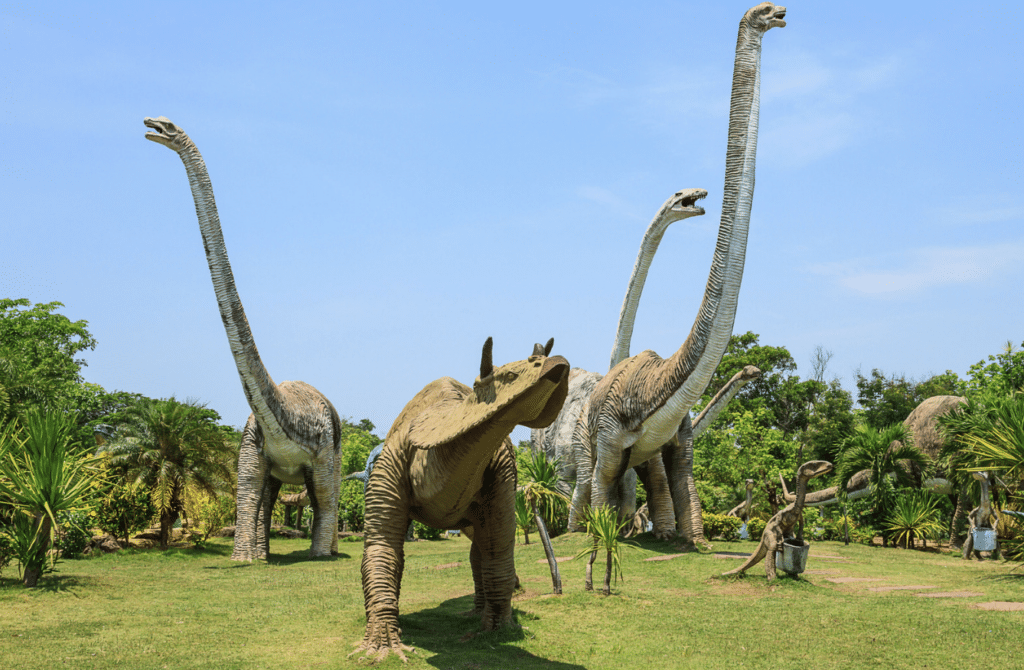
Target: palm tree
(604, 526)
(540, 488)
(915, 514)
(999, 445)
(42, 474)
(169, 446)
(889, 455)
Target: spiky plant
(604, 527)
(539, 485)
(524, 517)
(43, 474)
(915, 514)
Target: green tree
(126, 508)
(1003, 373)
(168, 445)
(42, 475)
(890, 399)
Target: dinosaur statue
(780, 527)
(294, 433)
(640, 409)
(448, 462)
(742, 511)
(298, 501)
(364, 474)
(984, 516)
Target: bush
(351, 506)
(755, 527)
(73, 534)
(6, 549)
(720, 525)
(208, 514)
(124, 510)
(425, 532)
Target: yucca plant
(914, 514)
(539, 486)
(524, 518)
(43, 474)
(604, 527)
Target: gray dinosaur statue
(780, 527)
(742, 511)
(294, 433)
(364, 474)
(448, 462)
(638, 414)
(982, 517)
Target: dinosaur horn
(486, 364)
(545, 350)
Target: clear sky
(398, 181)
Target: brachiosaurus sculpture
(294, 433)
(447, 462)
(638, 413)
(984, 516)
(780, 527)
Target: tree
(37, 353)
(1003, 374)
(126, 508)
(889, 454)
(42, 475)
(168, 445)
(887, 400)
(539, 486)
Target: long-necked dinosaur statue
(780, 527)
(556, 439)
(742, 511)
(447, 462)
(984, 516)
(294, 433)
(638, 413)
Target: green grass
(197, 609)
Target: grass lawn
(189, 608)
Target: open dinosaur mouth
(690, 201)
(558, 369)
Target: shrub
(208, 514)
(720, 525)
(124, 510)
(425, 532)
(73, 534)
(351, 506)
(755, 527)
(6, 550)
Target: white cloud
(922, 269)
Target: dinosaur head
(980, 476)
(533, 390)
(812, 469)
(750, 372)
(166, 133)
(750, 484)
(765, 17)
(683, 204)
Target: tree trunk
(608, 575)
(542, 530)
(35, 568)
(588, 585)
(167, 519)
(958, 518)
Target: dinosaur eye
(510, 377)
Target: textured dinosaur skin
(448, 462)
(639, 412)
(982, 516)
(293, 435)
(780, 527)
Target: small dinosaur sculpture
(984, 516)
(293, 435)
(447, 462)
(742, 510)
(364, 474)
(780, 527)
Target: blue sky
(397, 183)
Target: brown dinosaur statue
(742, 510)
(293, 435)
(780, 527)
(982, 517)
(447, 462)
(638, 413)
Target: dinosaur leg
(758, 555)
(321, 486)
(387, 515)
(582, 453)
(658, 493)
(253, 471)
(495, 535)
(265, 516)
(773, 544)
(678, 458)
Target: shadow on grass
(50, 583)
(297, 557)
(457, 641)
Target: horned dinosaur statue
(982, 516)
(638, 415)
(448, 462)
(294, 433)
(780, 527)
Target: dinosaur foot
(380, 640)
